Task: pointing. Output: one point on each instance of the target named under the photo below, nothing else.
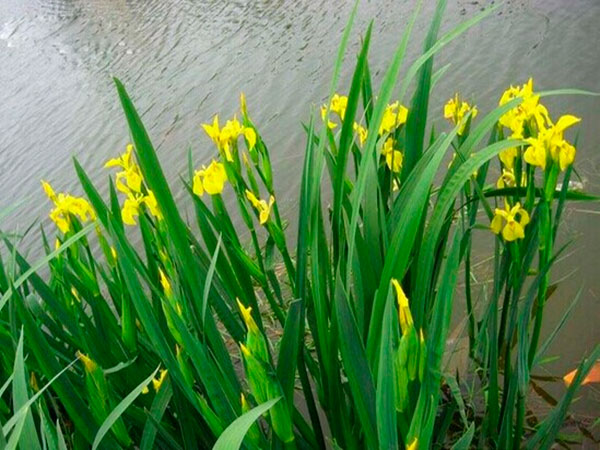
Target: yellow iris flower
(210, 179)
(550, 143)
(227, 136)
(511, 221)
(508, 179)
(130, 209)
(361, 132)
(263, 208)
(393, 157)
(124, 161)
(131, 172)
(338, 105)
(516, 118)
(455, 110)
(65, 206)
(152, 204)
(133, 202)
(133, 180)
(250, 136)
(394, 116)
(508, 156)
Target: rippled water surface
(185, 60)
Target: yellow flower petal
(214, 179)
(536, 156)
(404, 314)
(253, 199)
(48, 190)
(394, 161)
(565, 122)
(197, 186)
(213, 130)
(157, 382)
(512, 231)
(496, 225)
(413, 445)
(129, 210)
(152, 205)
(88, 363)
(250, 136)
(247, 316)
(566, 155)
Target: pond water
(185, 60)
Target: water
(184, 60)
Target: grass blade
(233, 436)
(120, 409)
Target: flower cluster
(531, 121)
(546, 148)
(212, 179)
(226, 138)
(129, 181)
(455, 111)
(394, 116)
(67, 206)
(518, 118)
(550, 144)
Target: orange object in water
(592, 377)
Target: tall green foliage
(341, 342)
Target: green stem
(544, 258)
(520, 421)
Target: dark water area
(183, 61)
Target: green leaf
(44, 261)
(464, 443)
(288, 350)
(120, 409)
(209, 277)
(386, 379)
(62, 445)
(415, 125)
(423, 421)
(22, 411)
(157, 410)
(354, 360)
(233, 436)
(550, 427)
(28, 435)
(346, 137)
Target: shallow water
(184, 60)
